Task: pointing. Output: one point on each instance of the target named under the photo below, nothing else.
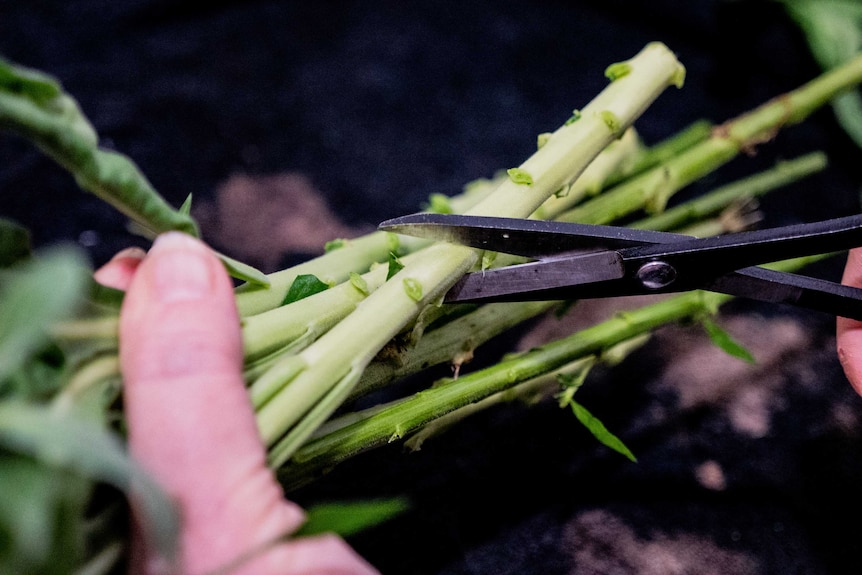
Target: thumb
(190, 421)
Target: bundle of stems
(380, 318)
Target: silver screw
(656, 275)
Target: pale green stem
(445, 343)
(783, 173)
(351, 345)
(402, 418)
(742, 134)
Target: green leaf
(725, 342)
(599, 431)
(186, 208)
(42, 517)
(64, 441)
(34, 106)
(14, 242)
(242, 271)
(349, 518)
(395, 266)
(303, 286)
(33, 296)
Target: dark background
(381, 104)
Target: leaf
(395, 266)
(599, 431)
(186, 208)
(33, 105)
(303, 286)
(725, 342)
(62, 440)
(42, 517)
(349, 518)
(33, 296)
(242, 271)
(14, 242)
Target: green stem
(448, 341)
(409, 415)
(652, 189)
(405, 417)
(34, 106)
(782, 174)
(351, 345)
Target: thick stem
(351, 345)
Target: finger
(118, 272)
(321, 555)
(849, 331)
(188, 413)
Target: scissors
(582, 261)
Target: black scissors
(580, 261)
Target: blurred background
(293, 123)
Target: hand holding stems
(849, 331)
(191, 423)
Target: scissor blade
(531, 281)
(802, 291)
(530, 238)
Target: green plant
(59, 374)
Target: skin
(191, 424)
(849, 331)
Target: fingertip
(120, 270)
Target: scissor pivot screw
(656, 275)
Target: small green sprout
(611, 121)
(359, 283)
(576, 115)
(393, 241)
(679, 77)
(488, 258)
(439, 204)
(520, 176)
(563, 191)
(617, 70)
(413, 289)
(542, 139)
(335, 244)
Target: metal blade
(530, 238)
(802, 291)
(532, 281)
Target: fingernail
(182, 268)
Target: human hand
(191, 424)
(849, 331)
